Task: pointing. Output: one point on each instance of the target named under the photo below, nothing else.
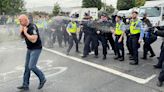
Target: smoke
(55, 32)
(9, 32)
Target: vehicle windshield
(150, 11)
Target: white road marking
(106, 69)
(60, 70)
(45, 65)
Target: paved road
(72, 74)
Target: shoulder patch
(34, 30)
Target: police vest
(118, 29)
(40, 25)
(133, 29)
(17, 21)
(73, 28)
(49, 21)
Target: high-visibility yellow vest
(49, 21)
(118, 29)
(133, 29)
(40, 25)
(73, 28)
(17, 21)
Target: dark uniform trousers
(66, 37)
(58, 35)
(49, 39)
(109, 38)
(119, 46)
(161, 57)
(80, 35)
(128, 41)
(147, 47)
(103, 40)
(72, 38)
(60, 38)
(53, 36)
(134, 46)
(90, 40)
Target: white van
(154, 11)
(81, 12)
(123, 13)
(127, 13)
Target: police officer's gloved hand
(98, 32)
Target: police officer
(65, 34)
(161, 57)
(136, 37)
(127, 32)
(90, 36)
(52, 33)
(49, 33)
(16, 21)
(149, 38)
(72, 30)
(30, 17)
(109, 35)
(40, 26)
(119, 36)
(57, 32)
(101, 35)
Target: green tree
(39, 13)
(125, 4)
(110, 9)
(139, 3)
(11, 7)
(92, 3)
(56, 9)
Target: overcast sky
(63, 3)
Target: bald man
(30, 33)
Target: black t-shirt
(33, 30)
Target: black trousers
(128, 44)
(80, 35)
(109, 38)
(49, 39)
(161, 75)
(90, 40)
(147, 47)
(59, 36)
(161, 57)
(134, 45)
(66, 37)
(72, 38)
(103, 41)
(119, 46)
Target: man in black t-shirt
(30, 33)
